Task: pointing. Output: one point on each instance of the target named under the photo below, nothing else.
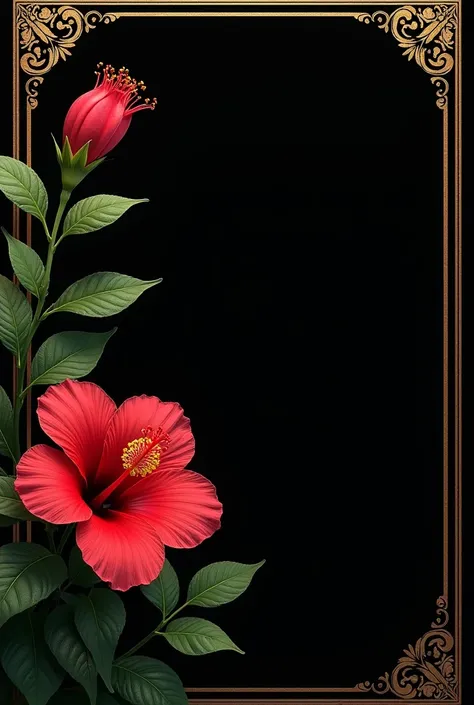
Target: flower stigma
(124, 86)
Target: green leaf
(96, 212)
(68, 355)
(26, 658)
(67, 646)
(23, 187)
(6, 425)
(80, 573)
(106, 699)
(145, 681)
(163, 592)
(6, 688)
(194, 636)
(29, 573)
(7, 521)
(100, 619)
(10, 502)
(220, 583)
(26, 264)
(101, 294)
(69, 598)
(15, 318)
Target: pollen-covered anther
(142, 455)
(125, 88)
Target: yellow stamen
(141, 456)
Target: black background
(294, 173)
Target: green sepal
(74, 167)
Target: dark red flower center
(140, 457)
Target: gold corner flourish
(427, 669)
(427, 35)
(48, 35)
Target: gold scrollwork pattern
(31, 87)
(48, 35)
(442, 88)
(427, 34)
(427, 669)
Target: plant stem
(65, 195)
(171, 616)
(18, 403)
(141, 643)
(67, 532)
(155, 632)
(50, 535)
(20, 391)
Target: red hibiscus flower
(120, 475)
(103, 115)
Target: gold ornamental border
(45, 32)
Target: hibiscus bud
(97, 121)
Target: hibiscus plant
(115, 490)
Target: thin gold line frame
(430, 35)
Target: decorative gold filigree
(442, 88)
(47, 35)
(427, 34)
(31, 87)
(427, 669)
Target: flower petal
(100, 123)
(75, 415)
(114, 139)
(50, 486)
(181, 505)
(132, 416)
(123, 550)
(76, 114)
